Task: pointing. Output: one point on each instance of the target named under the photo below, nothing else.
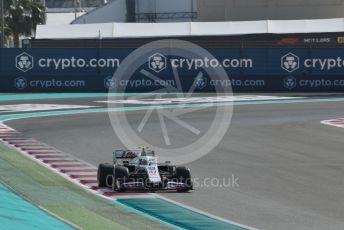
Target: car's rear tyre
(183, 175)
(168, 169)
(104, 175)
(171, 169)
(121, 174)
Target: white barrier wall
(134, 30)
(243, 10)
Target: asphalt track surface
(289, 166)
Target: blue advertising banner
(248, 69)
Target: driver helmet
(143, 162)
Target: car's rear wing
(126, 156)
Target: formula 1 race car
(138, 170)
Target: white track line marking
(191, 100)
(39, 107)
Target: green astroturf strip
(177, 215)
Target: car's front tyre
(183, 175)
(104, 175)
(120, 175)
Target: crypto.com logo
(109, 82)
(200, 81)
(20, 83)
(24, 62)
(290, 82)
(290, 62)
(157, 62)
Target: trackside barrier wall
(248, 69)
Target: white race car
(140, 170)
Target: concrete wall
(242, 10)
(163, 6)
(115, 11)
(61, 18)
